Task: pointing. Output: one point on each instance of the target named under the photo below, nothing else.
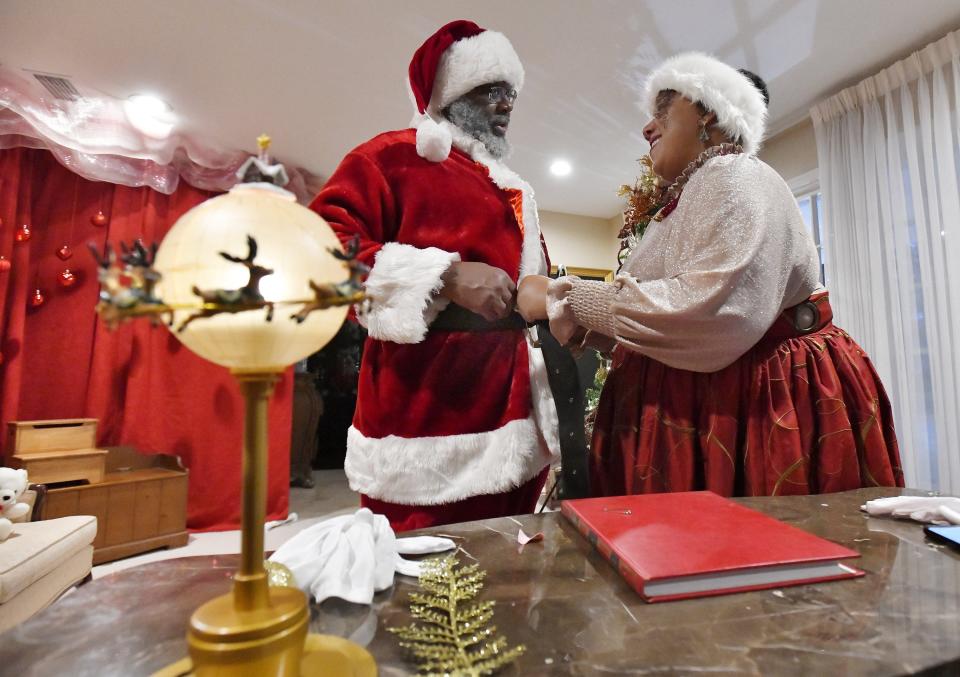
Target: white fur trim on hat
(474, 61)
(738, 104)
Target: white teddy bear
(12, 485)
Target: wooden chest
(62, 466)
(59, 450)
(140, 505)
(27, 437)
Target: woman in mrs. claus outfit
(728, 373)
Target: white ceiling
(321, 77)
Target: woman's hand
(532, 297)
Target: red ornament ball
(64, 252)
(99, 219)
(67, 278)
(4, 264)
(37, 299)
(23, 233)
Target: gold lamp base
(323, 656)
(267, 640)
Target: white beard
(475, 121)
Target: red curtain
(147, 390)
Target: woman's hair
(757, 82)
(663, 101)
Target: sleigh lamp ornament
(253, 249)
(239, 280)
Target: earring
(704, 137)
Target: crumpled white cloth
(933, 509)
(352, 556)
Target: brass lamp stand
(257, 629)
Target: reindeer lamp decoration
(219, 280)
(224, 301)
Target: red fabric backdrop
(145, 387)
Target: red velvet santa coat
(441, 416)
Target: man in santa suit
(454, 420)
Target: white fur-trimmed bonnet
(740, 107)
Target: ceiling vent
(59, 86)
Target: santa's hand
(478, 287)
(532, 297)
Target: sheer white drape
(889, 156)
(92, 135)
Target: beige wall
(615, 226)
(579, 241)
(588, 242)
(793, 151)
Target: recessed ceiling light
(560, 168)
(150, 114)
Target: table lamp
(237, 280)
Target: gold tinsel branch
(456, 638)
(644, 198)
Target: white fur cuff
(444, 469)
(403, 287)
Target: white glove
(352, 556)
(933, 509)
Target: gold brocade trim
(778, 424)
(686, 430)
(722, 446)
(831, 434)
(786, 473)
(840, 405)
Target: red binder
(692, 544)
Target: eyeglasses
(497, 93)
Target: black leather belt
(458, 318)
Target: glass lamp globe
(291, 240)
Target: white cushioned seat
(41, 560)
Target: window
(811, 207)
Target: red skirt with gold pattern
(803, 412)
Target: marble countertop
(572, 610)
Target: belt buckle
(534, 332)
(806, 317)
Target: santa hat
(739, 105)
(457, 58)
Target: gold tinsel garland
(644, 199)
(593, 394)
(456, 638)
